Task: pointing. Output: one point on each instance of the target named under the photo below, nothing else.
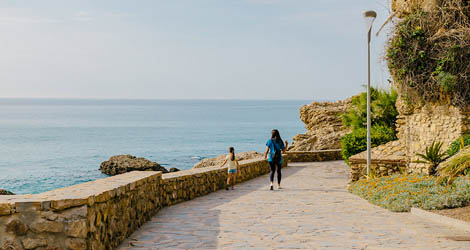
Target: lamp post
(369, 17)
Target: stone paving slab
(313, 211)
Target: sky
(189, 49)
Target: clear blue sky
(193, 49)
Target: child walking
(232, 167)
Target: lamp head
(369, 17)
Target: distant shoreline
(155, 99)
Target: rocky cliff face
(404, 7)
(324, 126)
(217, 161)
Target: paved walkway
(313, 211)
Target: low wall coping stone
(99, 190)
(312, 152)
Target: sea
(51, 143)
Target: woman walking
(275, 147)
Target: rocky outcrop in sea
(217, 161)
(121, 164)
(5, 192)
(172, 170)
(324, 126)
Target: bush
(356, 142)
(382, 106)
(399, 193)
(455, 167)
(456, 145)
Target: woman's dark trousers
(275, 166)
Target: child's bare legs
(234, 180)
(228, 180)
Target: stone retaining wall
(440, 123)
(102, 213)
(314, 156)
(378, 167)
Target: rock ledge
(121, 164)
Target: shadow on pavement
(195, 223)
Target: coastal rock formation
(172, 170)
(217, 161)
(5, 192)
(324, 126)
(121, 164)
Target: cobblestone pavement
(312, 211)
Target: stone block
(30, 243)
(77, 229)
(75, 244)
(17, 227)
(27, 206)
(11, 245)
(67, 203)
(5, 209)
(41, 225)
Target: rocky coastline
(324, 126)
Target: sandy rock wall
(324, 126)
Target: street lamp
(369, 17)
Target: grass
(399, 193)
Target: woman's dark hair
(275, 135)
(232, 151)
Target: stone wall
(102, 213)
(378, 167)
(93, 215)
(189, 184)
(433, 122)
(314, 156)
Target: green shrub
(382, 106)
(447, 81)
(456, 145)
(432, 156)
(399, 193)
(356, 142)
(383, 117)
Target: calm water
(46, 144)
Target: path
(313, 211)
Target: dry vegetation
(429, 52)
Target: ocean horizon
(49, 143)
